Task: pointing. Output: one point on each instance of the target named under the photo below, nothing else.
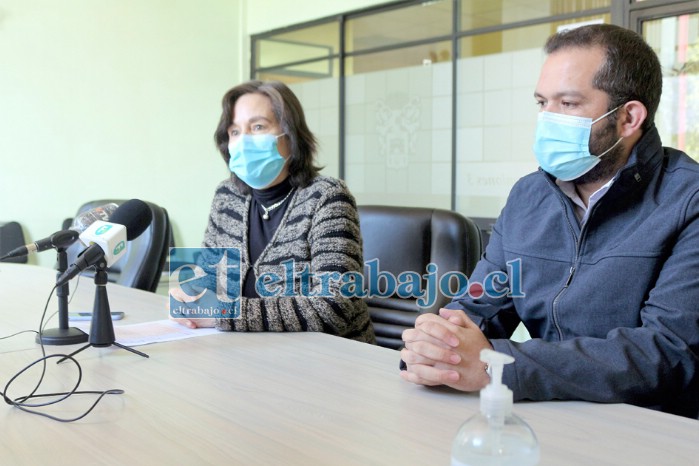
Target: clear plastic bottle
(87, 218)
(495, 436)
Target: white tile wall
(355, 172)
(407, 125)
(441, 178)
(355, 119)
(441, 79)
(497, 70)
(469, 143)
(522, 108)
(330, 121)
(328, 155)
(422, 148)
(470, 74)
(398, 131)
(497, 143)
(419, 81)
(499, 136)
(375, 87)
(525, 67)
(441, 145)
(396, 181)
(521, 144)
(321, 107)
(374, 180)
(312, 118)
(496, 107)
(469, 109)
(441, 112)
(354, 148)
(355, 89)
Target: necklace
(269, 209)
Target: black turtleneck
(261, 231)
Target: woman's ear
(283, 146)
(633, 114)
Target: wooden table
(294, 398)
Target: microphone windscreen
(135, 215)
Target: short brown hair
(631, 70)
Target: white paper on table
(151, 332)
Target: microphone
(106, 241)
(64, 238)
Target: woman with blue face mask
(296, 231)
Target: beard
(610, 162)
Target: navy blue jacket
(612, 307)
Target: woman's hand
(179, 295)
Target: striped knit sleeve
(330, 247)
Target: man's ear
(631, 117)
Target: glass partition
(298, 55)
(398, 132)
(396, 26)
(676, 41)
(476, 14)
(313, 42)
(321, 104)
(379, 91)
(306, 59)
(496, 113)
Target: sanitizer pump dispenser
(495, 436)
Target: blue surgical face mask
(255, 159)
(562, 144)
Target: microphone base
(127, 348)
(62, 336)
(101, 327)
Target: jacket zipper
(555, 302)
(571, 271)
(578, 242)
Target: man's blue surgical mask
(255, 159)
(562, 144)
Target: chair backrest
(485, 224)
(145, 257)
(407, 239)
(11, 236)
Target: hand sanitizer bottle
(495, 436)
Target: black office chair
(145, 257)
(485, 224)
(407, 239)
(11, 236)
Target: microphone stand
(62, 335)
(101, 327)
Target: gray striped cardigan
(320, 230)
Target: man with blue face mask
(607, 235)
